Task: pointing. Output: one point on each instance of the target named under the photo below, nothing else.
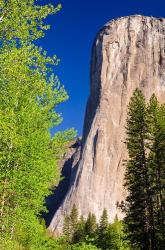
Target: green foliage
(103, 221)
(80, 233)
(145, 174)
(74, 218)
(136, 174)
(89, 235)
(156, 165)
(29, 95)
(23, 21)
(111, 236)
(70, 226)
(66, 228)
(84, 246)
(90, 228)
(116, 238)
(102, 231)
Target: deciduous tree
(29, 95)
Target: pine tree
(90, 227)
(70, 226)
(79, 234)
(140, 214)
(156, 165)
(102, 231)
(74, 219)
(67, 229)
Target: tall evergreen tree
(67, 228)
(90, 227)
(71, 225)
(79, 234)
(74, 218)
(102, 231)
(156, 165)
(140, 215)
(103, 221)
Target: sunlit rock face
(128, 53)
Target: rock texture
(128, 53)
(69, 161)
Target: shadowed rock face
(69, 169)
(128, 53)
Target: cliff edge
(128, 53)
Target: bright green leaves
(29, 94)
(23, 21)
(84, 246)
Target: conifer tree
(67, 229)
(156, 165)
(90, 227)
(140, 214)
(103, 220)
(70, 226)
(79, 235)
(74, 219)
(102, 230)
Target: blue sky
(71, 36)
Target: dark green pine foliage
(156, 165)
(102, 231)
(74, 219)
(66, 228)
(87, 234)
(79, 234)
(71, 224)
(139, 217)
(90, 228)
(161, 157)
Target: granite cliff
(128, 53)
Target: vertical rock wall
(128, 53)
